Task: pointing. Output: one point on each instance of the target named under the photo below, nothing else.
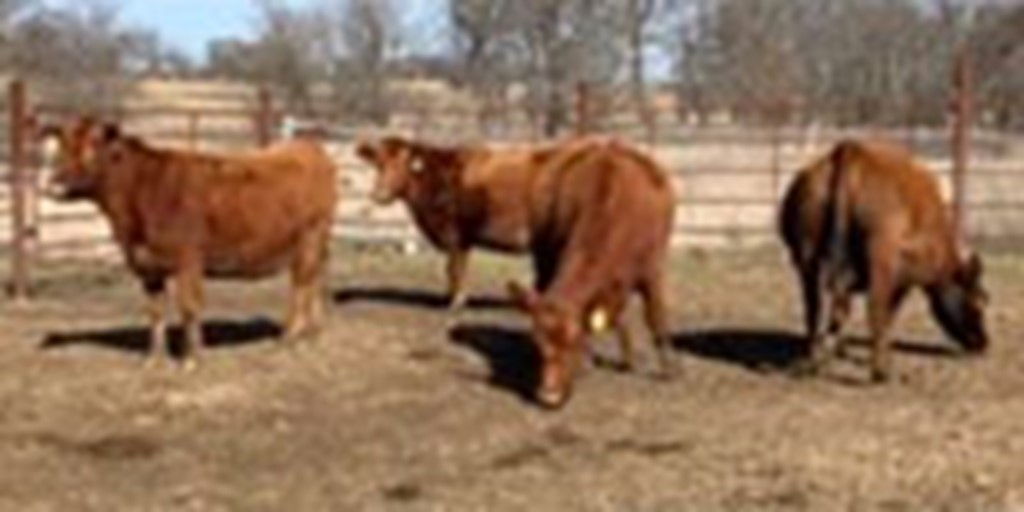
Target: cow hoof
(189, 365)
(152, 362)
(297, 337)
(668, 370)
(880, 377)
(608, 363)
(806, 369)
(666, 375)
(552, 401)
(457, 303)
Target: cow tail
(837, 217)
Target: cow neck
(432, 201)
(120, 187)
(577, 283)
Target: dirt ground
(401, 405)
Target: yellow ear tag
(598, 320)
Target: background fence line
(729, 179)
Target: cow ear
(972, 269)
(50, 143)
(417, 163)
(367, 150)
(110, 132)
(523, 298)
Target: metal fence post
(19, 281)
(961, 136)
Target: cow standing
(177, 216)
(601, 218)
(462, 197)
(868, 218)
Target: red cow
(601, 219)
(178, 216)
(868, 218)
(462, 197)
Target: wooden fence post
(193, 130)
(963, 106)
(583, 114)
(264, 118)
(18, 288)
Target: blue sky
(191, 24)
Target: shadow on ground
(217, 334)
(777, 350)
(412, 298)
(512, 357)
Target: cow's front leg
(189, 281)
(305, 307)
(884, 298)
(652, 292)
(626, 352)
(458, 261)
(156, 310)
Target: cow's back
(245, 215)
(863, 190)
(498, 190)
(607, 203)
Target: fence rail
(729, 179)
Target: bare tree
(365, 35)
(844, 61)
(564, 43)
(78, 54)
(485, 50)
(286, 53)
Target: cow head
(80, 152)
(959, 305)
(558, 336)
(402, 165)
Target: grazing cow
(178, 216)
(601, 217)
(868, 218)
(461, 197)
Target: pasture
(401, 405)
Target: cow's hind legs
(885, 296)
(305, 309)
(190, 302)
(817, 302)
(156, 310)
(652, 291)
(458, 261)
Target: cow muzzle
(383, 197)
(553, 399)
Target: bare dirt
(401, 405)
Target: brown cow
(868, 218)
(178, 216)
(601, 217)
(461, 197)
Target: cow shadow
(512, 358)
(217, 334)
(422, 299)
(755, 349)
(774, 350)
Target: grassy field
(401, 405)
